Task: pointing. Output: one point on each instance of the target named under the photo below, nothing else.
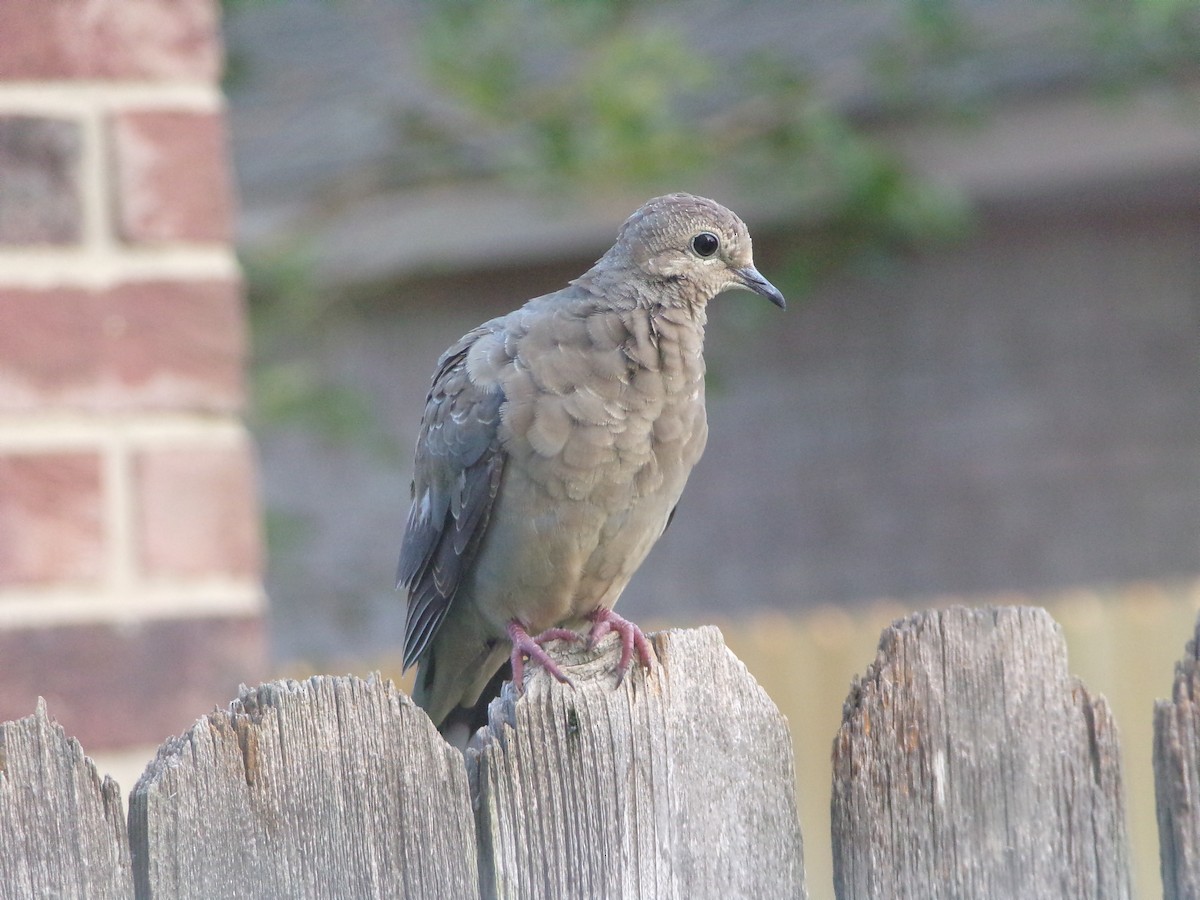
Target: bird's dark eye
(705, 243)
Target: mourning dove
(555, 444)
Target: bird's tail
(462, 722)
(459, 674)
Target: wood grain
(969, 764)
(62, 828)
(678, 783)
(1177, 778)
(331, 787)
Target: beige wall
(1121, 643)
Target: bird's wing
(456, 478)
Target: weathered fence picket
(970, 764)
(337, 787)
(679, 783)
(331, 787)
(62, 829)
(1177, 778)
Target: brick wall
(130, 560)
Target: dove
(554, 447)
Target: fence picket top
(330, 787)
(1177, 777)
(677, 782)
(970, 764)
(62, 826)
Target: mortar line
(159, 602)
(120, 527)
(50, 98)
(59, 431)
(102, 264)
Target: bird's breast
(612, 410)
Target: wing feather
(456, 479)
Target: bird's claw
(525, 645)
(605, 620)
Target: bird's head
(696, 243)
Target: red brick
(162, 345)
(197, 512)
(39, 181)
(111, 39)
(51, 518)
(128, 685)
(172, 177)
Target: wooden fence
(969, 763)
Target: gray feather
(555, 444)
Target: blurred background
(985, 217)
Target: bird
(554, 446)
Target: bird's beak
(750, 279)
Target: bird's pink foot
(605, 620)
(523, 645)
